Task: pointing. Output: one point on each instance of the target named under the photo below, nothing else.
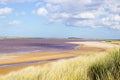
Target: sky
(60, 18)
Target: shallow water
(40, 45)
(8, 46)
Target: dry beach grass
(102, 66)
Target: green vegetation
(102, 66)
(107, 68)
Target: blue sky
(60, 18)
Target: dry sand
(96, 44)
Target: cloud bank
(5, 11)
(83, 13)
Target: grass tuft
(107, 68)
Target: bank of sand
(84, 48)
(96, 44)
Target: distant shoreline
(14, 37)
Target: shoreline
(33, 62)
(97, 44)
(84, 49)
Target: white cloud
(15, 1)
(6, 10)
(67, 1)
(14, 22)
(42, 11)
(61, 17)
(85, 15)
(116, 18)
(54, 1)
(52, 8)
(82, 13)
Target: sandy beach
(84, 49)
(96, 44)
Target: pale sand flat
(96, 44)
(6, 57)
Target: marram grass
(107, 68)
(99, 66)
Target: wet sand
(33, 57)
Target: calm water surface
(40, 45)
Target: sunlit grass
(98, 66)
(107, 68)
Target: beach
(13, 62)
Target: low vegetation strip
(102, 66)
